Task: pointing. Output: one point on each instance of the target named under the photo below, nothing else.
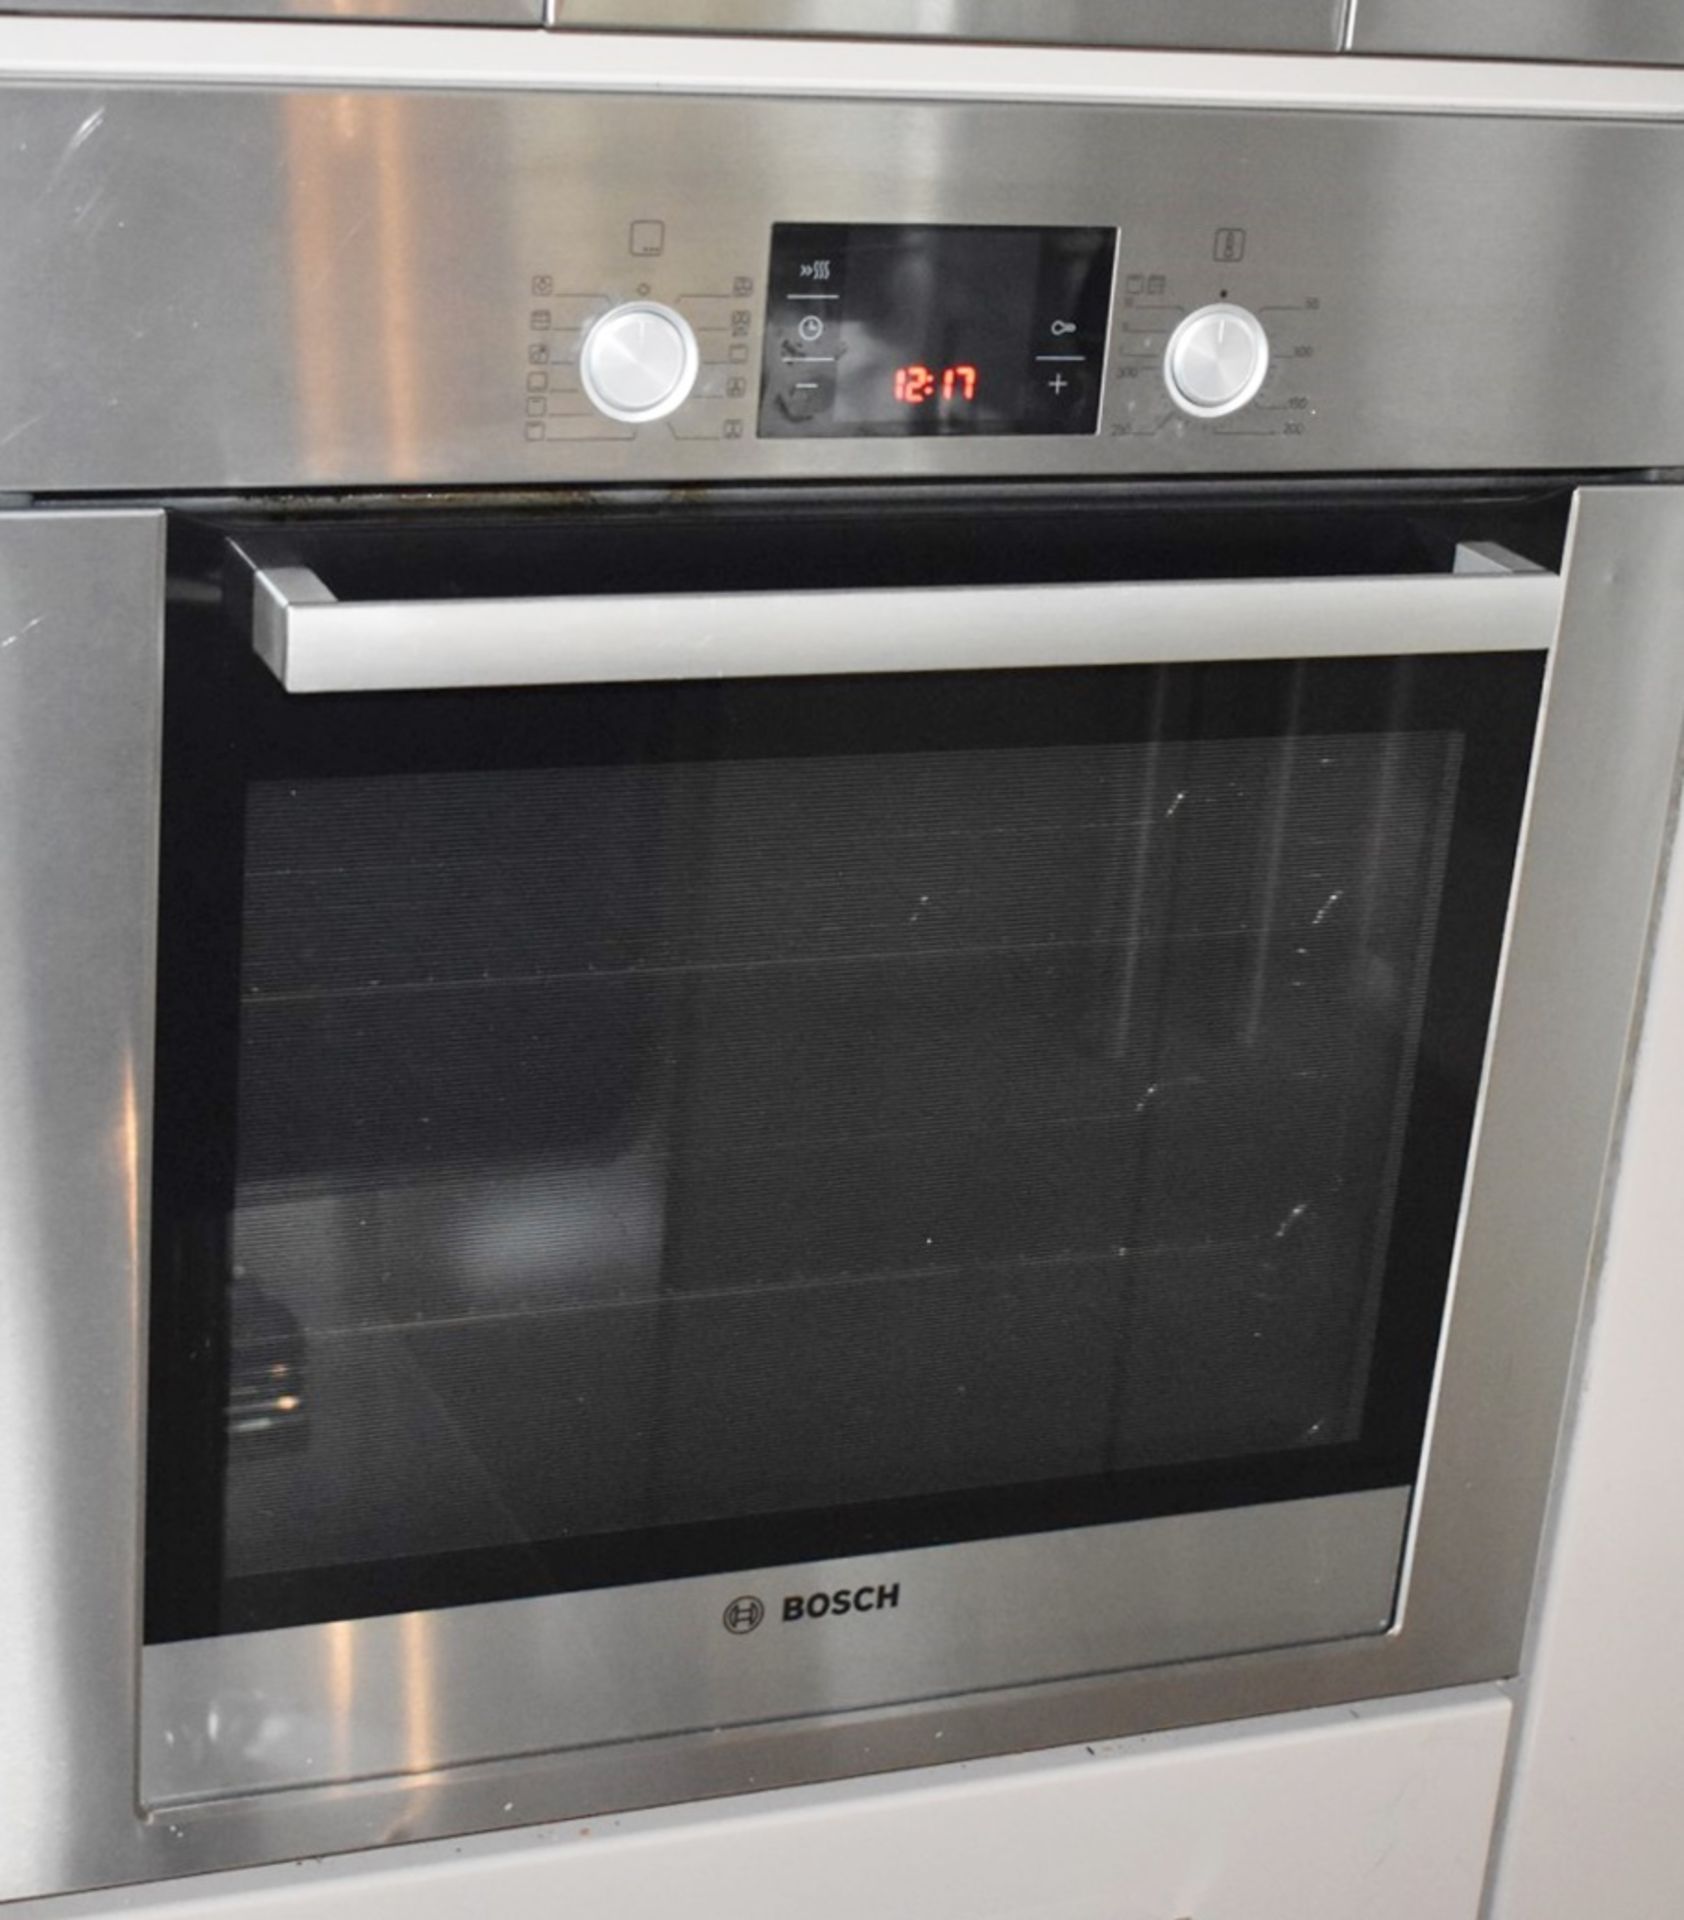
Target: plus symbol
(1058, 383)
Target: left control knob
(639, 362)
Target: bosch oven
(821, 972)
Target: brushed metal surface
(412, 1692)
(1645, 32)
(80, 616)
(314, 643)
(245, 288)
(1305, 26)
(483, 13)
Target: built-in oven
(890, 1125)
(805, 976)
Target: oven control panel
(837, 348)
(538, 288)
(897, 332)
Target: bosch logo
(744, 1615)
(822, 1606)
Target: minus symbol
(1062, 356)
(812, 296)
(801, 386)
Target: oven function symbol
(639, 362)
(811, 328)
(648, 239)
(1216, 361)
(1060, 363)
(1229, 246)
(808, 396)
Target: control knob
(1216, 361)
(639, 362)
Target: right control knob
(1216, 361)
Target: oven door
(1278, 26)
(763, 1151)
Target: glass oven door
(761, 1150)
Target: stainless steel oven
(806, 972)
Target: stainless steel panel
(1305, 26)
(238, 288)
(313, 643)
(413, 1692)
(1644, 32)
(479, 13)
(80, 606)
(1599, 823)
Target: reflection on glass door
(678, 1128)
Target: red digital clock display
(929, 332)
(917, 385)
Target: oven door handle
(314, 642)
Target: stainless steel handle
(314, 643)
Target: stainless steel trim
(314, 643)
(484, 13)
(1599, 31)
(80, 607)
(414, 1692)
(81, 738)
(1599, 822)
(1266, 25)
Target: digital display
(901, 331)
